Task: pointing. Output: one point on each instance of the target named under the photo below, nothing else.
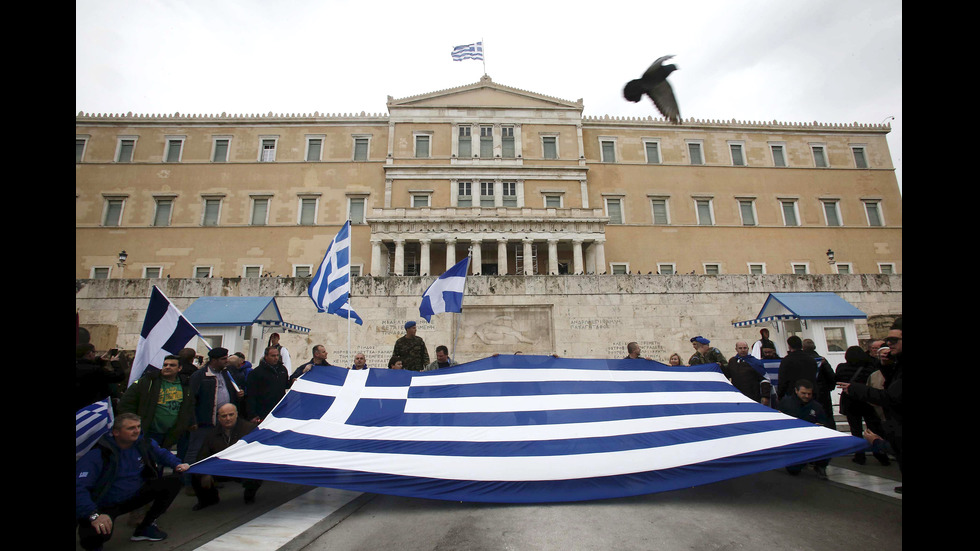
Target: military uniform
(412, 352)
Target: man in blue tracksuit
(119, 474)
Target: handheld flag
(446, 293)
(468, 51)
(522, 429)
(330, 287)
(165, 331)
(91, 422)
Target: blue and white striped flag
(468, 51)
(521, 428)
(91, 422)
(165, 331)
(446, 293)
(330, 287)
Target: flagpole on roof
(483, 57)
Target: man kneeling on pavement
(230, 429)
(802, 406)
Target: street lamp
(122, 261)
(830, 256)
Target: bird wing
(663, 97)
(656, 65)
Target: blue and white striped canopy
(521, 429)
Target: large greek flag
(165, 331)
(330, 287)
(91, 422)
(446, 292)
(468, 51)
(521, 428)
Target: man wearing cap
(411, 349)
(211, 387)
(706, 354)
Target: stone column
(501, 257)
(579, 264)
(376, 258)
(552, 256)
(399, 257)
(450, 252)
(600, 256)
(424, 260)
(476, 265)
(528, 258)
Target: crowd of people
(199, 408)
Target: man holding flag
(211, 387)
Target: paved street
(769, 510)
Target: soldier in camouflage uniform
(411, 349)
(706, 353)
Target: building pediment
(485, 93)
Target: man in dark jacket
(824, 383)
(319, 358)
(266, 385)
(163, 401)
(800, 404)
(230, 429)
(94, 375)
(211, 386)
(795, 366)
(120, 474)
(748, 375)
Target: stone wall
(572, 316)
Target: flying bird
(654, 84)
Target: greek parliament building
(522, 181)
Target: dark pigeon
(654, 84)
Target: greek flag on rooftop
(446, 293)
(521, 429)
(330, 287)
(91, 422)
(468, 51)
(165, 331)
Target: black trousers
(159, 491)
(210, 495)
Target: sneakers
(149, 533)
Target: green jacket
(141, 398)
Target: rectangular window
(549, 146)
(419, 201)
(712, 269)
(252, 271)
(886, 268)
(738, 159)
(486, 194)
(307, 211)
(260, 211)
(126, 147)
(836, 341)
(873, 208)
(486, 142)
(152, 272)
(614, 210)
(790, 216)
(509, 191)
(800, 269)
(164, 207)
(746, 207)
(703, 207)
(757, 269)
(212, 210)
(113, 212)
(465, 142)
(100, 272)
(619, 268)
(174, 147)
(302, 271)
(552, 201)
(653, 152)
(355, 210)
(608, 151)
(694, 151)
(465, 196)
(832, 213)
(268, 151)
(314, 149)
(778, 155)
(220, 150)
(665, 268)
(860, 160)
(843, 268)
(361, 149)
(79, 149)
(660, 213)
(421, 146)
(202, 271)
(507, 148)
(819, 156)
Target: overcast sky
(830, 61)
